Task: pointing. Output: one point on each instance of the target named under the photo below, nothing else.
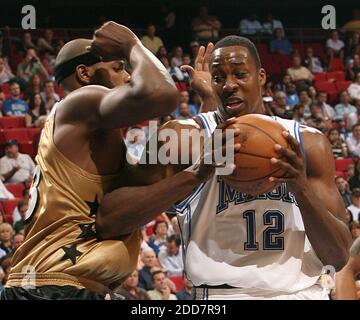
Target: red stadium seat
(339, 174)
(21, 135)
(15, 188)
(342, 85)
(329, 88)
(12, 122)
(320, 76)
(2, 137)
(262, 49)
(342, 164)
(335, 75)
(337, 65)
(179, 282)
(32, 132)
(5, 88)
(299, 47)
(9, 206)
(27, 148)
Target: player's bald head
(71, 55)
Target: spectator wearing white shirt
(170, 257)
(354, 88)
(327, 110)
(335, 47)
(353, 141)
(354, 208)
(16, 167)
(271, 24)
(250, 25)
(346, 110)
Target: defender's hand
(113, 41)
(200, 77)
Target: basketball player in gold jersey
(80, 156)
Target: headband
(67, 68)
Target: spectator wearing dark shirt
(280, 44)
(354, 181)
(36, 111)
(186, 293)
(339, 147)
(149, 259)
(343, 188)
(130, 290)
(22, 207)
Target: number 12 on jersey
(272, 240)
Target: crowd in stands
(316, 84)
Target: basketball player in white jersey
(239, 246)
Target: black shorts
(49, 293)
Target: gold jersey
(61, 246)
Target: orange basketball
(258, 136)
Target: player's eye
(218, 79)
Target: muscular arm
(321, 205)
(150, 93)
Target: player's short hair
(242, 42)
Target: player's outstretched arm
(128, 208)
(311, 180)
(150, 93)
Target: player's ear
(83, 74)
(262, 76)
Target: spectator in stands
(16, 167)
(185, 98)
(339, 147)
(250, 25)
(346, 110)
(281, 108)
(175, 72)
(150, 40)
(5, 72)
(5, 194)
(2, 217)
(175, 227)
(158, 239)
(314, 64)
(6, 235)
(33, 87)
(17, 241)
(354, 181)
(354, 208)
(354, 24)
(16, 216)
(354, 88)
(168, 24)
(161, 289)
(284, 84)
(5, 265)
(350, 170)
(349, 218)
(149, 260)
(47, 42)
(353, 67)
(194, 49)
(26, 43)
(22, 207)
(353, 141)
(170, 257)
(271, 24)
(48, 62)
(162, 52)
(305, 100)
(312, 93)
(301, 75)
(280, 44)
(31, 65)
(317, 119)
(352, 44)
(49, 96)
(343, 188)
(205, 27)
(335, 48)
(177, 57)
(186, 61)
(184, 111)
(14, 106)
(298, 114)
(326, 109)
(355, 229)
(130, 290)
(186, 293)
(292, 97)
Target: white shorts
(316, 292)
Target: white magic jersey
(245, 241)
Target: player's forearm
(328, 235)
(209, 102)
(345, 284)
(126, 209)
